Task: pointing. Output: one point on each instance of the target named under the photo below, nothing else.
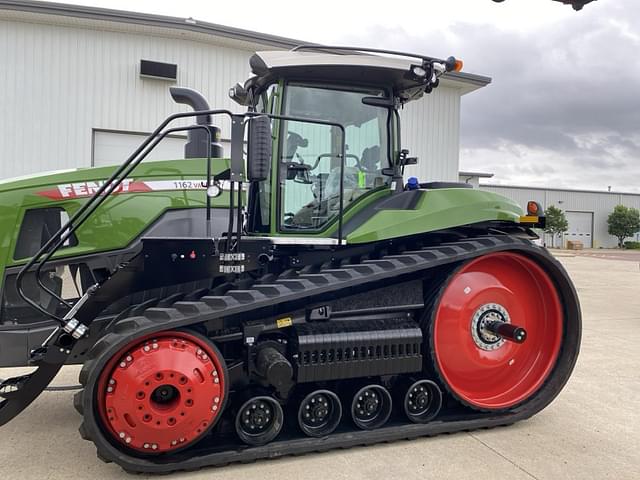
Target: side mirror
(259, 149)
(239, 94)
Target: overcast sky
(563, 109)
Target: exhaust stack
(196, 146)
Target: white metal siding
(600, 203)
(431, 131)
(62, 78)
(111, 148)
(59, 83)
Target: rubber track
(281, 291)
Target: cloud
(565, 94)
(564, 105)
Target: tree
(623, 222)
(556, 223)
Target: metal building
(74, 94)
(586, 211)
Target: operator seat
(370, 162)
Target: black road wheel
(371, 407)
(259, 420)
(319, 413)
(423, 401)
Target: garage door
(580, 227)
(113, 148)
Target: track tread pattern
(288, 287)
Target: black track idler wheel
(319, 413)
(259, 420)
(422, 401)
(371, 407)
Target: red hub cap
(163, 393)
(481, 369)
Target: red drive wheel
(480, 367)
(162, 393)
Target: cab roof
(342, 66)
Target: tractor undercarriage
(292, 363)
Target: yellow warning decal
(284, 322)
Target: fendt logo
(87, 189)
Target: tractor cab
(320, 169)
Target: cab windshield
(310, 153)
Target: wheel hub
(162, 394)
(257, 417)
(486, 314)
(371, 407)
(419, 400)
(165, 396)
(319, 413)
(367, 404)
(423, 401)
(259, 420)
(316, 410)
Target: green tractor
(299, 296)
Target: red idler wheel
(483, 369)
(162, 393)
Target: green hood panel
(158, 169)
(437, 210)
(152, 189)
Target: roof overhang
(475, 174)
(365, 69)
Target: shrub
(623, 222)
